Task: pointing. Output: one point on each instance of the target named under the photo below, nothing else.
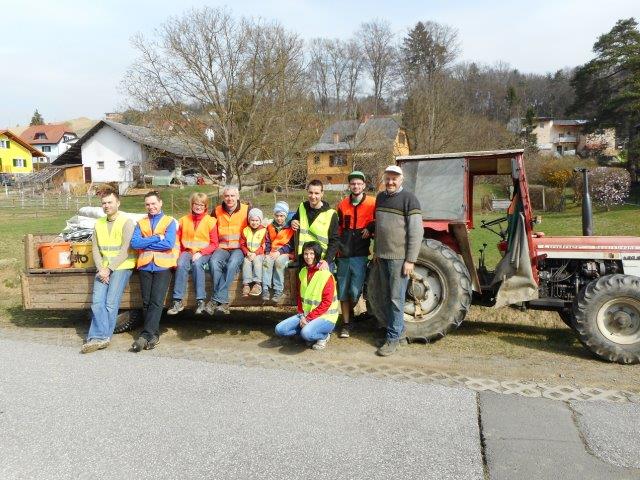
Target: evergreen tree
(36, 119)
(427, 49)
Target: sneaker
(246, 289)
(210, 307)
(277, 297)
(223, 308)
(151, 344)
(94, 345)
(176, 308)
(321, 344)
(139, 345)
(265, 295)
(200, 307)
(344, 332)
(389, 348)
(256, 290)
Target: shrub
(609, 186)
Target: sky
(67, 58)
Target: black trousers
(154, 286)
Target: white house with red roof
(52, 139)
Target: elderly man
(225, 262)
(115, 262)
(355, 214)
(398, 236)
(316, 221)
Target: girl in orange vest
(252, 246)
(198, 238)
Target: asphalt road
(115, 414)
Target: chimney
(336, 137)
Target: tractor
(593, 282)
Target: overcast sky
(67, 57)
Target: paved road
(120, 415)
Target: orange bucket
(55, 255)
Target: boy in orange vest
(198, 238)
(252, 246)
(155, 239)
(278, 252)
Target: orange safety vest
(195, 239)
(230, 226)
(279, 239)
(355, 217)
(164, 258)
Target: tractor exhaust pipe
(587, 210)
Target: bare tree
(355, 61)
(319, 65)
(378, 49)
(240, 81)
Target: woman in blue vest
(317, 301)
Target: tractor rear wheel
(439, 293)
(127, 320)
(607, 318)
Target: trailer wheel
(127, 320)
(607, 318)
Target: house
(16, 155)
(349, 144)
(51, 139)
(568, 137)
(119, 153)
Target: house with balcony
(348, 145)
(51, 139)
(568, 137)
(16, 155)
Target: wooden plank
(26, 297)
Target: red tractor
(593, 282)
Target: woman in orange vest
(198, 238)
(155, 239)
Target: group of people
(331, 246)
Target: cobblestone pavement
(243, 346)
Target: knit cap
(256, 212)
(281, 206)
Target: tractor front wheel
(607, 318)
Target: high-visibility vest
(318, 231)
(311, 294)
(164, 258)
(356, 217)
(195, 239)
(254, 239)
(110, 243)
(230, 226)
(279, 238)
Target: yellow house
(349, 144)
(16, 155)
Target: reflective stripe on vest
(311, 294)
(196, 239)
(110, 243)
(318, 231)
(254, 239)
(279, 239)
(164, 258)
(230, 226)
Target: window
(316, 159)
(19, 162)
(41, 136)
(561, 134)
(541, 125)
(46, 148)
(402, 138)
(120, 163)
(100, 165)
(337, 161)
(5, 144)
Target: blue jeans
(274, 269)
(224, 265)
(317, 329)
(252, 270)
(350, 277)
(393, 288)
(185, 265)
(105, 304)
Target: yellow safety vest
(254, 239)
(318, 231)
(110, 243)
(165, 258)
(311, 294)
